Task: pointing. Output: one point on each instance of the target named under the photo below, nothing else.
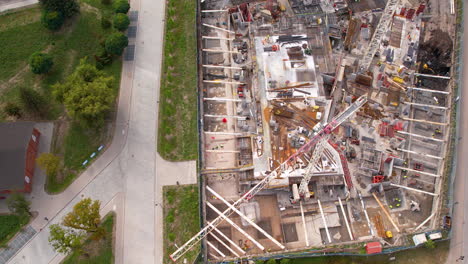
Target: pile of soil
(436, 53)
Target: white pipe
(226, 246)
(421, 154)
(432, 76)
(222, 133)
(424, 222)
(421, 172)
(214, 10)
(221, 151)
(225, 116)
(218, 28)
(324, 222)
(245, 217)
(428, 90)
(413, 189)
(346, 219)
(222, 67)
(220, 38)
(227, 238)
(236, 226)
(420, 136)
(304, 225)
(221, 82)
(220, 51)
(426, 105)
(221, 99)
(425, 121)
(217, 250)
(367, 216)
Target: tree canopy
(33, 102)
(87, 94)
(40, 62)
(18, 205)
(65, 240)
(121, 21)
(85, 216)
(49, 163)
(121, 6)
(116, 43)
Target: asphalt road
(459, 244)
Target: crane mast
(322, 133)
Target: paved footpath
(13, 4)
(129, 175)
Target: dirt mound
(436, 53)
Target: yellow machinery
(388, 234)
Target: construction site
(324, 123)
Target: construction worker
(390, 206)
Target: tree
(85, 216)
(430, 244)
(116, 43)
(66, 7)
(32, 101)
(285, 261)
(65, 240)
(121, 21)
(270, 261)
(52, 20)
(49, 162)
(12, 109)
(19, 206)
(87, 94)
(40, 62)
(121, 6)
(106, 2)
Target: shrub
(12, 109)
(116, 43)
(52, 20)
(270, 261)
(106, 2)
(285, 261)
(40, 63)
(66, 7)
(105, 22)
(121, 22)
(429, 244)
(121, 6)
(171, 236)
(32, 101)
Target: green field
(96, 251)
(9, 226)
(21, 34)
(181, 219)
(177, 134)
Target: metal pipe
(235, 226)
(346, 219)
(433, 76)
(222, 67)
(324, 221)
(221, 99)
(386, 212)
(304, 225)
(426, 105)
(220, 38)
(421, 154)
(227, 238)
(420, 136)
(245, 217)
(424, 222)
(421, 172)
(366, 215)
(226, 246)
(217, 250)
(413, 189)
(218, 28)
(221, 82)
(424, 121)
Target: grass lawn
(21, 34)
(177, 134)
(181, 219)
(9, 226)
(96, 251)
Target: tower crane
(382, 27)
(321, 135)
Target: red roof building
(19, 143)
(373, 247)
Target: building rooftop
(14, 138)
